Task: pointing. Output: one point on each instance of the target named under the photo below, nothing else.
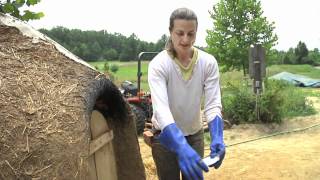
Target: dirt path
(288, 156)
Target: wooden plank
(104, 157)
(99, 142)
(92, 168)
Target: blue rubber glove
(190, 162)
(217, 146)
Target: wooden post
(257, 68)
(257, 71)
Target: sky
(295, 20)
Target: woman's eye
(179, 33)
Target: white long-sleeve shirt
(176, 100)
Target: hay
(46, 100)
(41, 105)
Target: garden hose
(275, 134)
(272, 135)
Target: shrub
(238, 104)
(272, 100)
(114, 68)
(296, 103)
(106, 67)
(278, 100)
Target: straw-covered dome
(46, 99)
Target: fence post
(257, 67)
(257, 70)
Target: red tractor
(140, 102)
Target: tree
(314, 55)
(237, 25)
(274, 57)
(162, 42)
(12, 7)
(301, 52)
(286, 60)
(289, 57)
(110, 54)
(98, 45)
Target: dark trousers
(166, 161)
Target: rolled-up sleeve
(159, 95)
(212, 104)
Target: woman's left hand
(217, 146)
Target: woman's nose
(186, 39)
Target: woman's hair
(180, 13)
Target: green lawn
(304, 69)
(128, 71)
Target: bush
(114, 68)
(278, 100)
(296, 103)
(238, 104)
(272, 100)
(106, 67)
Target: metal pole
(257, 104)
(139, 73)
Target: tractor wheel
(139, 117)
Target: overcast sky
(295, 20)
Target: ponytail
(170, 48)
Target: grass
(128, 71)
(310, 92)
(304, 69)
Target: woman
(178, 77)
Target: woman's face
(183, 34)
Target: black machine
(140, 102)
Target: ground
(294, 155)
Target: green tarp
(296, 79)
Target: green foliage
(289, 57)
(299, 55)
(110, 54)
(271, 101)
(106, 67)
(312, 92)
(278, 100)
(13, 8)
(99, 45)
(114, 68)
(301, 52)
(237, 25)
(286, 60)
(314, 55)
(296, 103)
(238, 104)
(162, 42)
